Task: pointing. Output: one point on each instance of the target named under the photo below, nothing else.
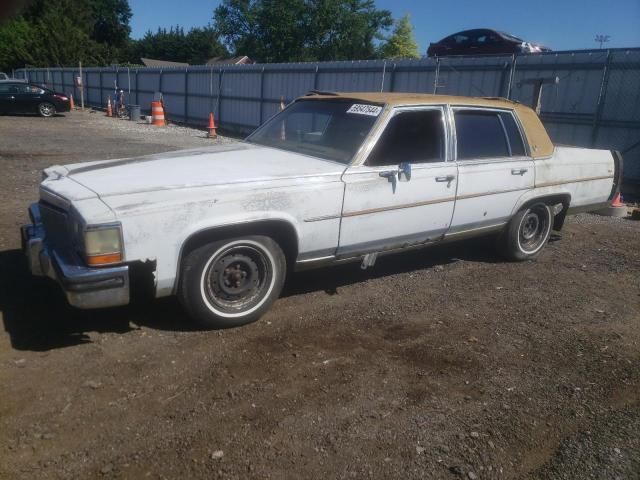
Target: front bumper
(84, 287)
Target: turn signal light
(107, 259)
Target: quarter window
(516, 146)
(486, 134)
(412, 136)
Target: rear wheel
(528, 232)
(46, 109)
(232, 282)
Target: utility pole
(602, 39)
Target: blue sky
(560, 24)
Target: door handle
(11, 97)
(519, 171)
(448, 178)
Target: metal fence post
(186, 95)
(136, 88)
(101, 98)
(315, 77)
(512, 75)
(392, 79)
(437, 76)
(602, 94)
(260, 114)
(220, 75)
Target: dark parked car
(482, 41)
(16, 97)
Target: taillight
(62, 97)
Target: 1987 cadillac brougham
(334, 177)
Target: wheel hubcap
(237, 278)
(45, 109)
(239, 274)
(530, 226)
(534, 228)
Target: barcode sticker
(371, 110)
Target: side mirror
(404, 172)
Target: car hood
(240, 163)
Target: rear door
(28, 98)
(405, 192)
(494, 167)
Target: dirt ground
(446, 363)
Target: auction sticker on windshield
(372, 110)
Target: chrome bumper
(84, 287)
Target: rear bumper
(84, 287)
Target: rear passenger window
(480, 135)
(516, 147)
(413, 137)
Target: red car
(482, 41)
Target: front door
(8, 92)
(404, 193)
(493, 166)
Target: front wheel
(46, 109)
(232, 282)
(527, 233)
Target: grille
(56, 226)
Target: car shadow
(331, 278)
(37, 317)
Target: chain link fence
(596, 102)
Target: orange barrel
(157, 114)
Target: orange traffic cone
(72, 105)
(109, 109)
(157, 114)
(212, 127)
(617, 201)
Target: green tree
(110, 22)
(301, 30)
(402, 42)
(195, 47)
(64, 32)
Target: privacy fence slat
(595, 104)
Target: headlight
(103, 245)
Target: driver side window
(411, 136)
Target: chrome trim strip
(315, 259)
(495, 192)
(398, 207)
(476, 229)
(321, 218)
(578, 180)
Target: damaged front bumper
(84, 287)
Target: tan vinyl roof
(539, 141)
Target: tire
(527, 233)
(46, 109)
(232, 282)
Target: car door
(404, 192)
(8, 92)
(494, 168)
(28, 98)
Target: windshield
(508, 36)
(329, 129)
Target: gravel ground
(447, 363)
